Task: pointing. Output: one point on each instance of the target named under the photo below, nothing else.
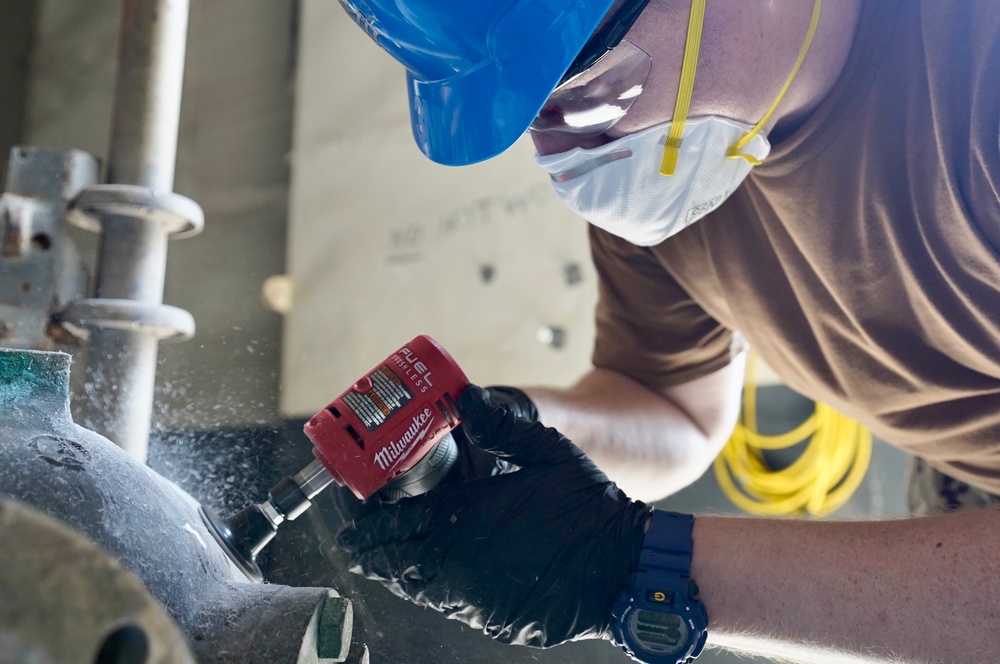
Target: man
(821, 181)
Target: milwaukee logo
(416, 432)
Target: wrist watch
(659, 620)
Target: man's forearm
(648, 445)
(918, 590)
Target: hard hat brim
(482, 111)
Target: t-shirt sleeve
(648, 327)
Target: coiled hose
(822, 479)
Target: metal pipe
(121, 363)
(118, 389)
(143, 148)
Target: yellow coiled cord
(824, 477)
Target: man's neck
(822, 68)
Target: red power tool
(390, 433)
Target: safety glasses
(609, 36)
(603, 81)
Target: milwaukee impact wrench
(389, 433)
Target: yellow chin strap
(692, 46)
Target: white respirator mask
(619, 187)
(650, 185)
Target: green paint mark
(26, 374)
(336, 622)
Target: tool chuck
(245, 534)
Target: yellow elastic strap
(691, 48)
(735, 150)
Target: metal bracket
(40, 268)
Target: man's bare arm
(923, 590)
(652, 444)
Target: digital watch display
(659, 620)
(659, 633)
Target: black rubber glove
(514, 400)
(472, 463)
(533, 557)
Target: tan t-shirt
(862, 259)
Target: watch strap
(668, 543)
(662, 585)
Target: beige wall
(385, 245)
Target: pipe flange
(162, 321)
(67, 600)
(179, 216)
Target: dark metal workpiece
(150, 526)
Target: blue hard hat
(478, 71)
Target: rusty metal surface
(40, 269)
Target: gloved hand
(515, 400)
(472, 463)
(533, 557)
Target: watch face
(658, 633)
